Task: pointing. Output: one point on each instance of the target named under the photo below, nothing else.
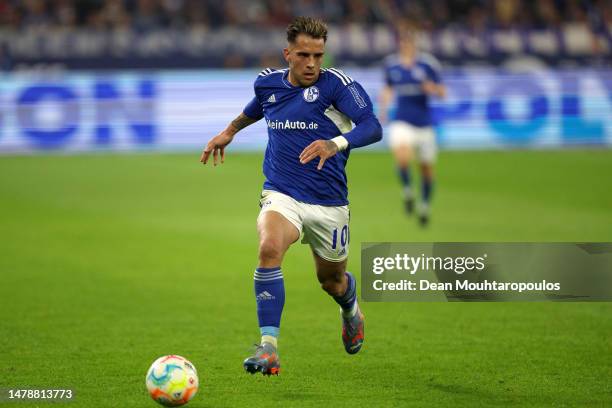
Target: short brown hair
(306, 25)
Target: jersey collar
(286, 80)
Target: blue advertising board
(178, 110)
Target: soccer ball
(172, 380)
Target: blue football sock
(404, 175)
(348, 300)
(427, 190)
(270, 297)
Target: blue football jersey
(296, 117)
(412, 103)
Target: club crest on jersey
(311, 94)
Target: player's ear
(286, 54)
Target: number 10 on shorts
(344, 237)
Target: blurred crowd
(145, 15)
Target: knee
(270, 249)
(427, 172)
(402, 162)
(334, 287)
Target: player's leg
(402, 155)
(326, 229)
(428, 153)
(401, 141)
(427, 181)
(332, 276)
(276, 233)
(342, 287)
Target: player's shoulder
(269, 75)
(429, 60)
(391, 61)
(336, 76)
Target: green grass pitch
(109, 261)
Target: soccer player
(308, 111)
(413, 77)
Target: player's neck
(407, 59)
(292, 79)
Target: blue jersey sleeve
(388, 80)
(433, 75)
(354, 102)
(432, 68)
(253, 109)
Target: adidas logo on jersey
(265, 295)
(272, 99)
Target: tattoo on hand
(331, 146)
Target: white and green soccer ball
(172, 381)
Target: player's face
(406, 46)
(304, 57)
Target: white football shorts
(421, 139)
(325, 229)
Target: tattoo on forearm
(242, 121)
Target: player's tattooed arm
(241, 122)
(217, 144)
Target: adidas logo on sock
(272, 99)
(265, 295)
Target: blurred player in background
(413, 78)
(308, 111)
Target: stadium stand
(118, 34)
